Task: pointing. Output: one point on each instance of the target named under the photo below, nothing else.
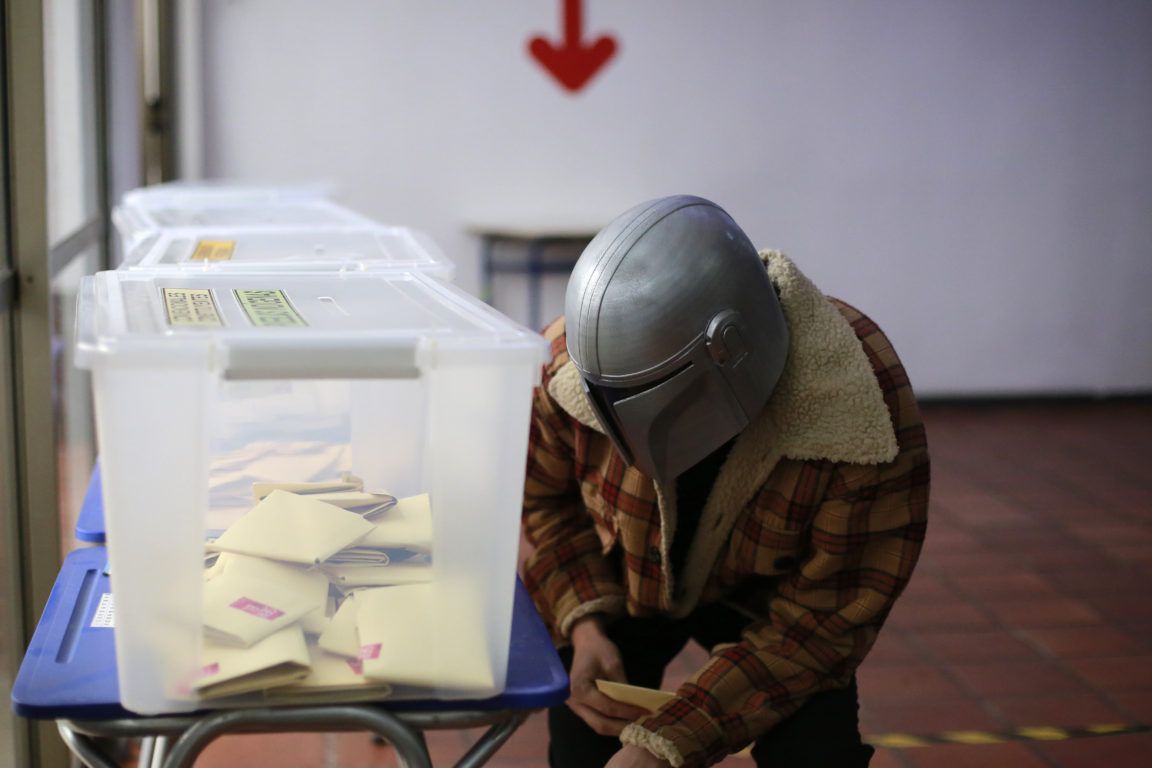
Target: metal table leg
(404, 739)
(186, 736)
(494, 738)
(84, 747)
(147, 752)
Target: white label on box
(103, 616)
(191, 307)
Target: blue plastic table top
(69, 669)
(90, 522)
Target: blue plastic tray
(69, 669)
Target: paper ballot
(214, 564)
(401, 641)
(407, 525)
(346, 493)
(416, 570)
(278, 659)
(332, 679)
(298, 529)
(316, 621)
(645, 698)
(250, 598)
(347, 482)
(355, 555)
(340, 636)
(367, 505)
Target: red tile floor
(1031, 606)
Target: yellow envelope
(298, 529)
(332, 679)
(340, 636)
(408, 525)
(402, 643)
(357, 555)
(346, 483)
(278, 659)
(638, 696)
(316, 621)
(252, 598)
(217, 567)
(368, 505)
(379, 575)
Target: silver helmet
(676, 330)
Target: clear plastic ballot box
(146, 211)
(241, 418)
(225, 249)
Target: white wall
(975, 174)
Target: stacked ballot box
(219, 228)
(312, 478)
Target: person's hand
(594, 657)
(632, 756)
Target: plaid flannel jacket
(813, 525)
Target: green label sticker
(191, 308)
(268, 308)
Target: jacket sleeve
(823, 617)
(567, 574)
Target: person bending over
(718, 452)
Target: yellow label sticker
(214, 250)
(268, 308)
(191, 307)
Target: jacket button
(653, 553)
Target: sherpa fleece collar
(827, 404)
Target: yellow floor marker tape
(972, 737)
(1033, 733)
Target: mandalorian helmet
(676, 331)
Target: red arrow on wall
(572, 62)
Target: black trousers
(824, 733)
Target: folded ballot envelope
(331, 679)
(355, 555)
(250, 598)
(650, 699)
(367, 505)
(340, 636)
(403, 643)
(407, 525)
(316, 621)
(215, 566)
(298, 529)
(347, 493)
(414, 570)
(347, 482)
(278, 659)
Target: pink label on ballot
(257, 609)
(370, 651)
(209, 669)
(356, 665)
